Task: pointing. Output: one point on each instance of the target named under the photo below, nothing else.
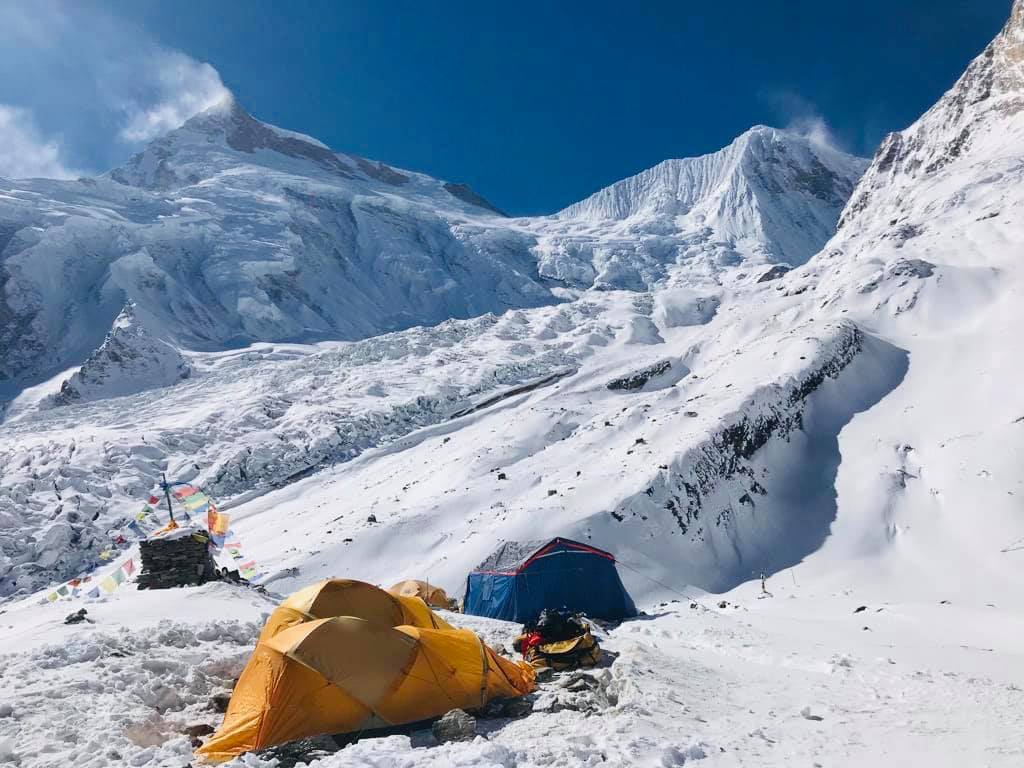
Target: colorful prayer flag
(154, 500)
(119, 576)
(185, 490)
(52, 597)
(62, 590)
(202, 509)
(221, 524)
(106, 554)
(195, 501)
(108, 584)
(94, 592)
(129, 566)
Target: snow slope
(770, 197)
(796, 680)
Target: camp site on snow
(346, 659)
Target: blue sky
(535, 105)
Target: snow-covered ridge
(674, 187)
(776, 188)
(129, 360)
(980, 119)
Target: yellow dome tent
(347, 674)
(428, 593)
(347, 597)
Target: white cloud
(103, 85)
(26, 154)
(814, 128)
(802, 117)
(184, 87)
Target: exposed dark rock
(219, 702)
(774, 273)
(911, 268)
(456, 725)
(517, 708)
(199, 729)
(638, 379)
(77, 617)
(381, 172)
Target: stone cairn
(176, 562)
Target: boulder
(77, 617)
(456, 725)
(517, 708)
(219, 702)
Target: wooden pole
(167, 495)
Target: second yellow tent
(348, 597)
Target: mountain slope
(228, 231)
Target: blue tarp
(519, 581)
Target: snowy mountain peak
(212, 140)
(979, 119)
(770, 195)
(129, 360)
(761, 160)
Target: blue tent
(520, 579)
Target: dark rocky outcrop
(638, 379)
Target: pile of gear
(560, 640)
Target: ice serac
(129, 360)
(770, 196)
